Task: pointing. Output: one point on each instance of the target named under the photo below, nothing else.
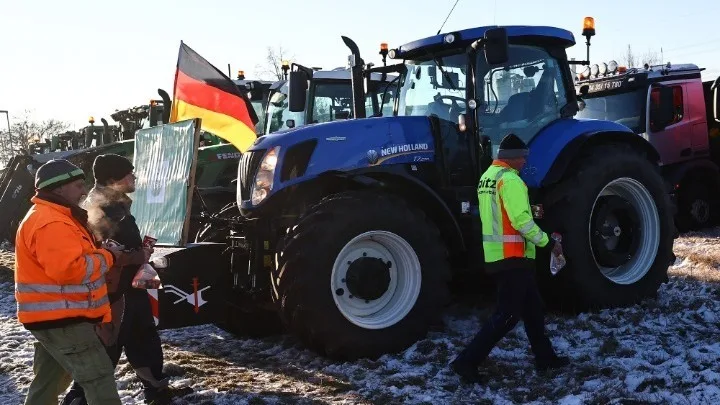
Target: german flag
(202, 91)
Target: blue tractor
(351, 231)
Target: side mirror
(496, 46)
(661, 108)
(297, 90)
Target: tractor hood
(339, 146)
(352, 144)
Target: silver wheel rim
(403, 289)
(642, 201)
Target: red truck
(679, 114)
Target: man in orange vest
(60, 289)
(510, 236)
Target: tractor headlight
(264, 178)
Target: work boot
(164, 396)
(468, 373)
(76, 396)
(553, 363)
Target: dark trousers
(141, 342)
(517, 298)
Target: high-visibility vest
(59, 272)
(507, 222)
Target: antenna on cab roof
(448, 16)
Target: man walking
(509, 239)
(60, 289)
(109, 211)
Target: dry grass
(703, 253)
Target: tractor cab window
(278, 112)
(333, 101)
(520, 97)
(385, 92)
(434, 87)
(258, 107)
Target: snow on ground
(663, 351)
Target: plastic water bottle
(557, 262)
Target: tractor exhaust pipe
(357, 66)
(167, 105)
(107, 136)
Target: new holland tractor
(350, 231)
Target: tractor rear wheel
(362, 274)
(616, 221)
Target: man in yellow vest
(510, 236)
(61, 291)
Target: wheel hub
(700, 210)
(368, 278)
(616, 224)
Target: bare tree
(272, 68)
(629, 58)
(651, 58)
(24, 131)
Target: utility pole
(9, 145)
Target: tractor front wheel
(362, 274)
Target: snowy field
(663, 351)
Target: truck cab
(670, 107)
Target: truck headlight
(264, 178)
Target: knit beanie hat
(110, 167)
(512, 147)
(55, 173)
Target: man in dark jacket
(109, 217)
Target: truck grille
(249, 163)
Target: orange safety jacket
(59, 271)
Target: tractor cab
(321, 96)
(258, 91)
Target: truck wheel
(362, 274)
(696, 207)
(617, 229)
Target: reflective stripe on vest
(62, 304)
(59, 289)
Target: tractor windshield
(623, 108)
(434, 87)
(520, 97)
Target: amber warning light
(588, 27)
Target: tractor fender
(395, 180)
(583, 141)
(677, 174)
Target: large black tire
(306, 258)
(581, 285)
(697, 205)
